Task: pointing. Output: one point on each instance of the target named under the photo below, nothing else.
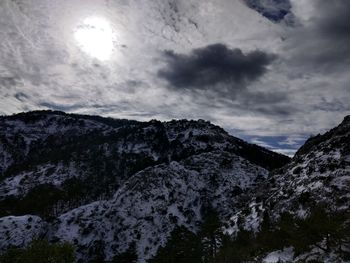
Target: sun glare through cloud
(95, 37)
(263, 69)
(196, 130)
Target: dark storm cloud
(326, 43)
(217, 75)
(333, 29)
(215, 64)
(334, 19)
(334, 26)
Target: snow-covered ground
(197, 166)
(19, 231)
(154, 201)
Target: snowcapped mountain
(80, 159)
(109, 185)
(54, 162)
(319, 173)
(312, 189)
(152, 202)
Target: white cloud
(41, 64)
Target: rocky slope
(317, 178)
(108, 185)
(80, 159)
(319, 173)
(152, 202)
(149, 174)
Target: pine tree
(129, 256)
(211, 235)
(40, 252)
(183, 246)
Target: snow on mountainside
(22, 183)
(116, 184)
(152, 176)
(20, 231)
(318, 177)
(151, 203)
(21, 134)
(81, 159)
(319, 173)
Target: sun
(95, 37)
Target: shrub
(40, 251)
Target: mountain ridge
(120, 184)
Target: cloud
(287, 145)
(21, 96)
(333, 28)
(215, 64)
(334, 19)
(323, 42)
(266, 103)
(216, 76)
(303, 90)
(8, 82)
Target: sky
(273, 72)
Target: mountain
(118, 187)
(307, 201)
(319, 173)
(80, 159)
